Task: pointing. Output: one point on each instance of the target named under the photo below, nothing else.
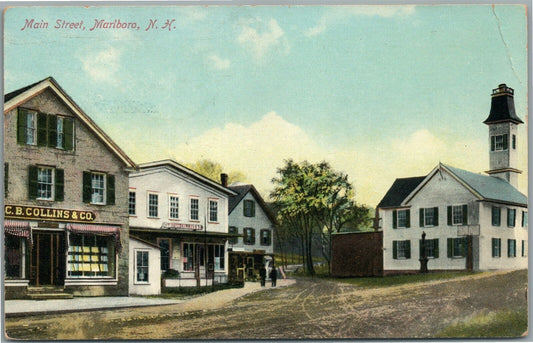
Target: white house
(186, 215)
(145, 268)
(471, 221)
(253, 224)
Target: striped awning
(18, 228)
(100, 230)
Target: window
(249, 236)
(266, 237)
(511, 248)
(35, 128)
(60, 133)
(496, 216)
(14, 257)
(153, 205)
(457, 247)
(193, 255)
(401, 250)
(91, 256)
(496, 247)
(187, 256)
(31, 128)
(233, 230)
(524, 248)
(194, 206)
(141, 258)
(458, 215)
(432, 248)
(499, 142)
(213, 211)
(249, 208)
(401, 219)
(174, 207)
(131, 203)
(514, 142)
(511, 217)
(524, 217)
(219, 257)
(164, 246)
(46, 183)
(98, 188)
(429, 216)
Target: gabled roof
(399, 190)
(173, 165)
(14, 99)
(241, 191)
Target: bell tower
(503, 123)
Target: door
(47, 260)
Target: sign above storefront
(48, 214)
(182, 226)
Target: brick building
(66, 210)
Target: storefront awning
(100, 230)
(18, 228)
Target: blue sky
(378, 91)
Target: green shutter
(21, 126)
(436, 245)
(408, 218)
(395, 250)
(508, 248)
(52, 131)
(110, 196)
(68, 130)
(436, 216)
(6, 179)
(420, 247)
(59, 185)
(252, 203)
(32, 182)
(87, 188)
(464, 246)
(450, 247)
(505, 142)
(408, 250)
(394, 219)
(465, 214)
(42, 128)
(449, 215)
(421, 217)
(492, 143)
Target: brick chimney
(224, 179)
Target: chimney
(224, 179)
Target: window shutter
(42, 128)
(465, 214)
(494, 247)
(110, 196)
(514, 142)
(6, 179)
(408, 218)
(408, 250)
(52, 131)
(59, 185)
(32, 179)
(449, 215)
(420, 247)
(464, 246)
(508, 248)
(436, 216)
(450, 247)
(394, 219)
(436, 245)
(253, 236)
(253, 208)
(68, 133)
(87, 187)
(21, 126)
(505, 142)
(421, 217)
(492, 143)
(395, 250)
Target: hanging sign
(48, 214)
(182, 226)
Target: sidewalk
(208, 301)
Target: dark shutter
(464, 246)
(32, 182)
(494, 247)
(420, 247)
(465, 214)
(449, 215)
(68, 130)
(252, 204)
(110, 200)
(436, 216)
(421, 217)
(52, 131)
(505, 142)
(59, 185)
(436, 245)
(394, 219)
(42, 128)
(408, 250)
(408, 218)
(508, 248)
(21, 126)
(492, 143)
(514, 141)
(450, 247)
(6, 179)
(87, 188)
(395, 250)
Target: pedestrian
(262, 275)
(273, 276)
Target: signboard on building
(48, 214)
(182, 226)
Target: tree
(212, 170)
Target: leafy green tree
(212, 170)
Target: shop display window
(91, 256)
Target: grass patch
(506, 323)
(395, 280)
(187, 292)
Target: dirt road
(310, 309)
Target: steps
(48, 292)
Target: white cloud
(260, 37)
(102, 65)
(219, 63)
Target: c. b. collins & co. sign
(49, 214)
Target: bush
(171, 274)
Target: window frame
(248, 239)
(269, 237)
(233, 240)
(41, 183)
(496, 247)
(401, 250)
(109, 251)
(457, 247)
(60, 134)
(132, 203)
(249, 208)
(213, 210)
(173, 207)
(499, 142)
(511, 248)
(33, 130)
(144, 267)
(151, 196)
(194, 209)
(496, 216)
(103, 189)
(511, 219)
(524, 219)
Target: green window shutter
(6, 179)
(59, 185)
(42, 128)
(52, 131)
(395, 250)
(110, 190)
(492, 143)
(408, 218)
(394, 219)
(32, 182)
(494, 247)
(420, 247)
(505, 142)
(68, 130)
(508, 248)
(21, 126)
(253, 208)
(465, 214)
(449, 215)
(87, 187)
(436, 245)
(421, 217)
(408, 250)
(450, 247)
(464, 246)
(436, 214)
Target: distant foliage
(212, 170)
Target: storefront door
(47, 260)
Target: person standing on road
(262, 275)
(273, 276)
